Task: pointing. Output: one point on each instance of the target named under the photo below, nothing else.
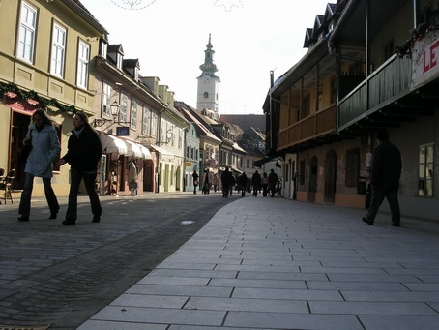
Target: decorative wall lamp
(168, 138)
(114, 109)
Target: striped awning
(113, 144)
(134, 149)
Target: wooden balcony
(387, 84)
(321, 123)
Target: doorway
(312, 188)
(330, 176)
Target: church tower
(208, 84)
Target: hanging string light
(228, 5)
(133, 4)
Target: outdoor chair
(6, 185)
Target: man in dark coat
(272, 181)
(256, 183)
(226, 181)
(243, 178)
(385, 172)
(83, 155)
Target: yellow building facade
(46, 55)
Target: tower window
(206, 95)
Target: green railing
(388, 83)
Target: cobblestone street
(58, 275)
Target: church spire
(208, 84)
(208, 67)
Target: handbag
(25, 151)
(132, 185)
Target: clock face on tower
(206, 79)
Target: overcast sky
(250, 38)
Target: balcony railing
(318, 124)
(387, 84)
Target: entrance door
(330, 176)
(20, 123)
(312, 188)
(148, 171)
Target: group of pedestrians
(208, 180)
(83, 155)
(257, 182)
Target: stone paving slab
(279, 264)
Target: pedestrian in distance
(83, 155)
(195, 180)
(232, 184)
(385, 172)
(215, 182)
(256, 183)
(206, 181)
(226, 181)
(243, 179)
(45, 150)
(264, 181)
(272, 181)
(133, 177)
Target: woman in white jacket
(45, 150)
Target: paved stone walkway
(59, 276)
(274, 263)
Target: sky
(250, 38)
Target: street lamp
(168, 138)
(114, 110)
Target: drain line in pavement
(23, 327)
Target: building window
(123, 108)
(82, 69)
(306, 104)
(320, 97)
(333, 90)
(206, 95)
(133, 114)
(26, 38)
(58, 50)
(146, 121)
(352, 167)
(106, 96)
(426, 169)
(154, 125)
(389, 49)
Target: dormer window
(331, 27)
(103, 48)
(119, 61)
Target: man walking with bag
(385, 172)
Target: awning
(263, 161)
(134, 149)
(145, 151)
(165, 155)
(236, 170)
(161, 151)
(111, 143)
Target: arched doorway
(330, 176)
(312, 187)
